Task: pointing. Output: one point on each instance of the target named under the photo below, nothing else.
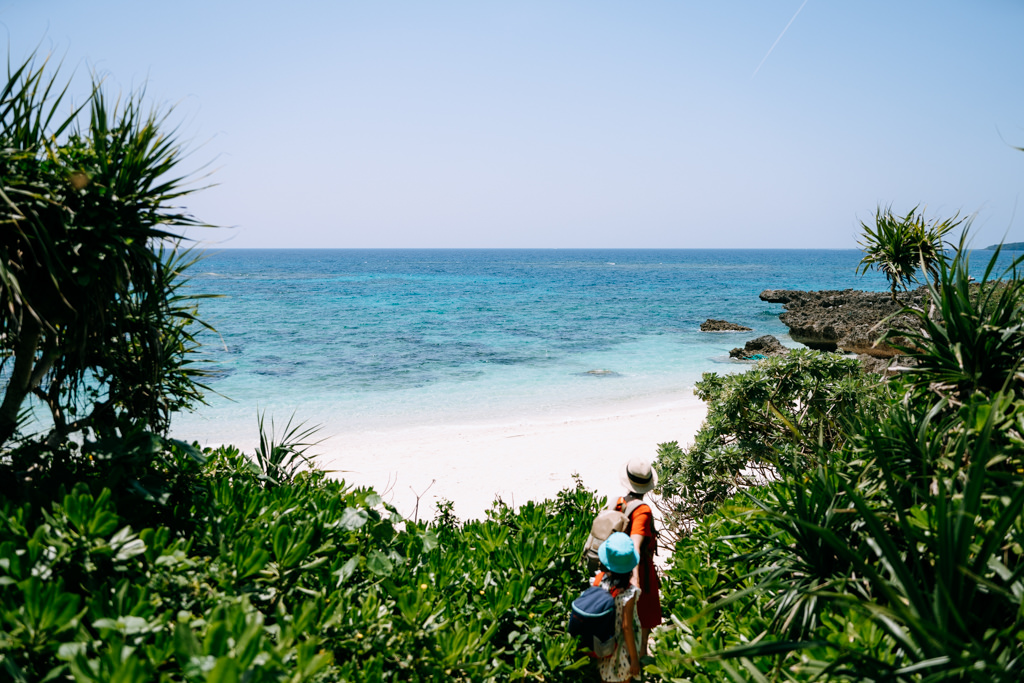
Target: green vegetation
(311, 580)
(93, 319)
(887, 542)
(831, 526)
(899, 245)
(785, 409)
(280, 459)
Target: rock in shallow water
(712, 325)
(759, 348)
(847, 320)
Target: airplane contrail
(778, 39)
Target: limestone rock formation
(712, 325)
(886, 366)
(847, 320)
(761, 347)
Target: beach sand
(519, 459)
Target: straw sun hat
(638, 476)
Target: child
(619, 556)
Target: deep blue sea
(378, 339)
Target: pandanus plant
(899, 245)
(94, 322)
(907, 540)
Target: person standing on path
(639, 478)
(619, 556)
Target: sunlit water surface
(380, 339)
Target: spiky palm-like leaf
(93, 317)
(974, 338)
(899, 245)
(280, 457)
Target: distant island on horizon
(1012, 246)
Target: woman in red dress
(639, 478)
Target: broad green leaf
(347, 569)
(225, 671)
(353, 518)
(67, 651)
(429, 540)
(378, 563)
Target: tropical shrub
(899, 245)
(913, 550)
(94, 321)
(280, 458)
(973, 340)
(306, 580)
(701, 574)
(896, 553)
(780, 414)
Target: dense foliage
(894, 552)
(253, 581)
(94, 322)
(899, 245)
(782, 413)
(837, 527)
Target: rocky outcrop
(712, 325)
(886, 366)
(847, 320)
(759, 348)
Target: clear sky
(568, 124)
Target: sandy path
(520, 459)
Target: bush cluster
(786, 409)
(307, 581)
(888, 543)
(127, 556)
(846, 529)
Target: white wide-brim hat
(638, 476)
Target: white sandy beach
(520, 459)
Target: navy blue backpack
(593, 619)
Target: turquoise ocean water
(367, 340)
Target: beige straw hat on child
(638, 476)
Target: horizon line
(530, 248)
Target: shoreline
(519, 458)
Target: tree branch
(20, 384)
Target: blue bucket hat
(618, 553)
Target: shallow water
(380, 339)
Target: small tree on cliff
(93, 319)
(899, 245)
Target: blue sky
(568, 124)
